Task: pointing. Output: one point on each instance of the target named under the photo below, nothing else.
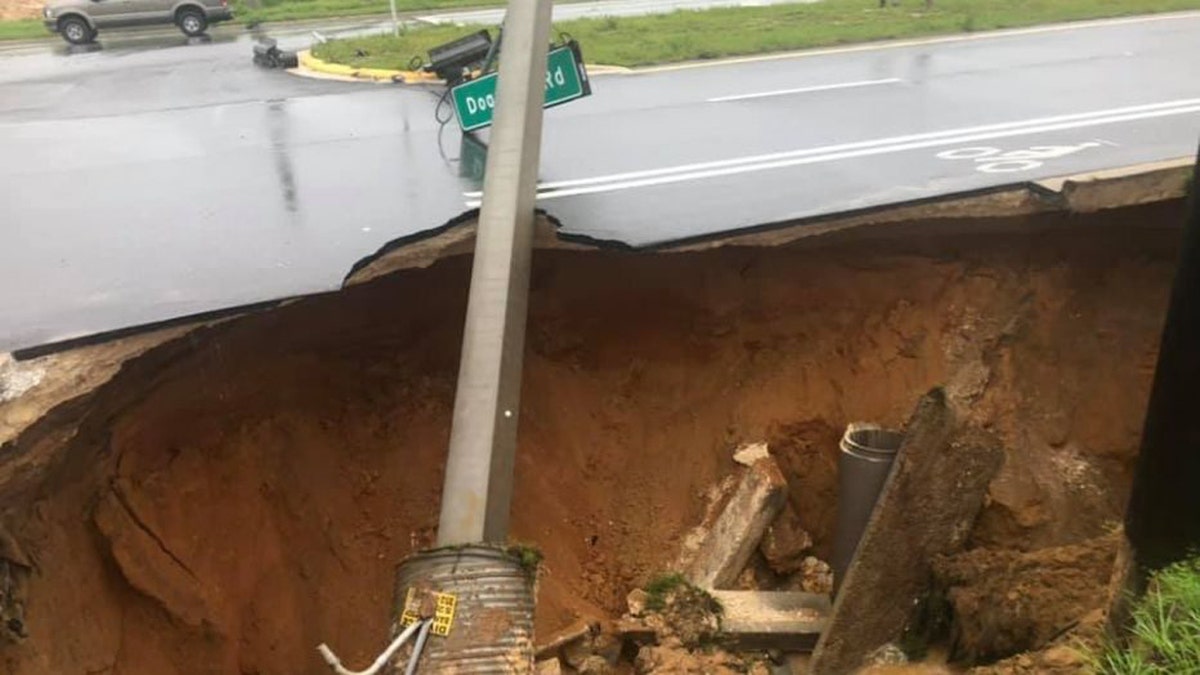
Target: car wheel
(192, 22)
(76, 31)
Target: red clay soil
(1007, 602)
(238, 496)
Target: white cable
(336, 665)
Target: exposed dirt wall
(236, 496)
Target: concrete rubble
(748, 513)
(785, 543)
(908, 528)
(784, 620)
(723, 549)
(668, 622)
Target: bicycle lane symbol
(994, 160)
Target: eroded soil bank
(236, 496)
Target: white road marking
(994, 160)
(951, 134)
(729, 167)
(805, 90)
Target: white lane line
(805, 90)
(755, 159)
(850, 154)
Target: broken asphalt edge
(1076, 193)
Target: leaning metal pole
(479, 470)
(478, 595)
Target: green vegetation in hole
(659, 587)
(739, 31)
(1164, 631)
(663, 585)
(528, 555)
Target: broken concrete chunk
(750, 453)
(595, 665)
(608, 647)
(576, 652)
(785, 542)
(548, 667)
(815, 576)
(887, 655)
(759, 620)
(574, 633)
(637, 632)
(636, 602)
(723, 549)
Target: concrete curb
(311, 66)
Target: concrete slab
(927, 507)
(554, 643)
(786, 620)
(722, 550)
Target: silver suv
(79, 20)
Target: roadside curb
(312, 66)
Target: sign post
(566, 81)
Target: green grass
(528, 555)
(684, 36)
(22, 29)
(385, 51)
(718, 33)
(659, 587)
(1165, 631)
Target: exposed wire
(437, 111)
(336, 666)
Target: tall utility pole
(477, 493)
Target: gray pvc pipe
(865, 460)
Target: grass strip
(740, 31)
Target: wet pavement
(156, 177)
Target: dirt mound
(235, 497)
(1005, 602)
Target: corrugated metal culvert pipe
(866, 456)
(492, 626)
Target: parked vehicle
(78, 21)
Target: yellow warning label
(443, 615)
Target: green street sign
(566, 80)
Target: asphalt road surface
(157, 178)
